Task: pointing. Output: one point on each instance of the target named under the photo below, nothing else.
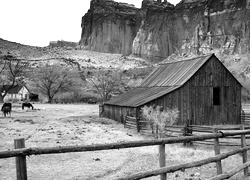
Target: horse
(28, 105)
(6, 109)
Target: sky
(37, 22)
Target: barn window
(216, 96)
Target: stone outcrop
(215, 25)
(159, 29)
(62, 43)
(109, 27)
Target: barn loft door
(216, 96)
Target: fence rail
(131, 144)
(144, 127)
(178, 167)
(120, 145)
(245, 117)
(187, 130)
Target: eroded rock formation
(109, 26)
(159, 29)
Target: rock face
(214, 25)
(160, 29)
(109, 27)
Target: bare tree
(12, 71)
(107, 83)
(49, 80)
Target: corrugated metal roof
(174, 74)
(163, 80)
(140, 95)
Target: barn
(202, 89)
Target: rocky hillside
(21, 50)
(159, 29)
(81, 58)
(88, 63)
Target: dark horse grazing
(28, 105)
(6, 109)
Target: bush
(77, 97)
(90, 98)
(159, 117)
(245, 95)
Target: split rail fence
(143, 126)
(245, 117)
(21, 152)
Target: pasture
(50, 125)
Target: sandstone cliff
(109, 27)
(159, 29)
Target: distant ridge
(19, 49)
(65, 54)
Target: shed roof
(163, 80)
(140, 96)
(14, 90)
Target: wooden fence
(188, 130)
(245, 117)
(143, 126)
(21, 154)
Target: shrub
(77, 97)
(159, 117)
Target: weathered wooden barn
(202, 88)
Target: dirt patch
(52, 125)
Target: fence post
(185, 132)
(243, 117)
(101, 110)
(244, 153)
(162, 158)
(21, 169)
(137, 116)
(157, 131)
(217, 152)
(138, 124)
(189, 132)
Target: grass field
(51, 125)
